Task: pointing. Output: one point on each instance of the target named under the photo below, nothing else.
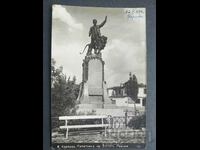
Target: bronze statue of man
(98, 42)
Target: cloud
(123, 57)
(59, 12)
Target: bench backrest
(82, 117)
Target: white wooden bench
(67, 118)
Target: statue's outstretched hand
(106, 18)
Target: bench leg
(105, 132)
(66, 135)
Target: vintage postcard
(98, 77)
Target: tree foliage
(138, 122)
(64, 92)
(131, 87)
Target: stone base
(96, 105)
(90, 106)
(102, 111)
(110, 106)
(107, 109)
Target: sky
(125, 50)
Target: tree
(131, 87)
(63, 93)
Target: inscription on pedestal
(95, 78)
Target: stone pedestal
(93, 89)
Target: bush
(138, 122)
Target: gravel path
(111, 137)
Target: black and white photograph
(98, 77)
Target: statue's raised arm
(102, 24)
